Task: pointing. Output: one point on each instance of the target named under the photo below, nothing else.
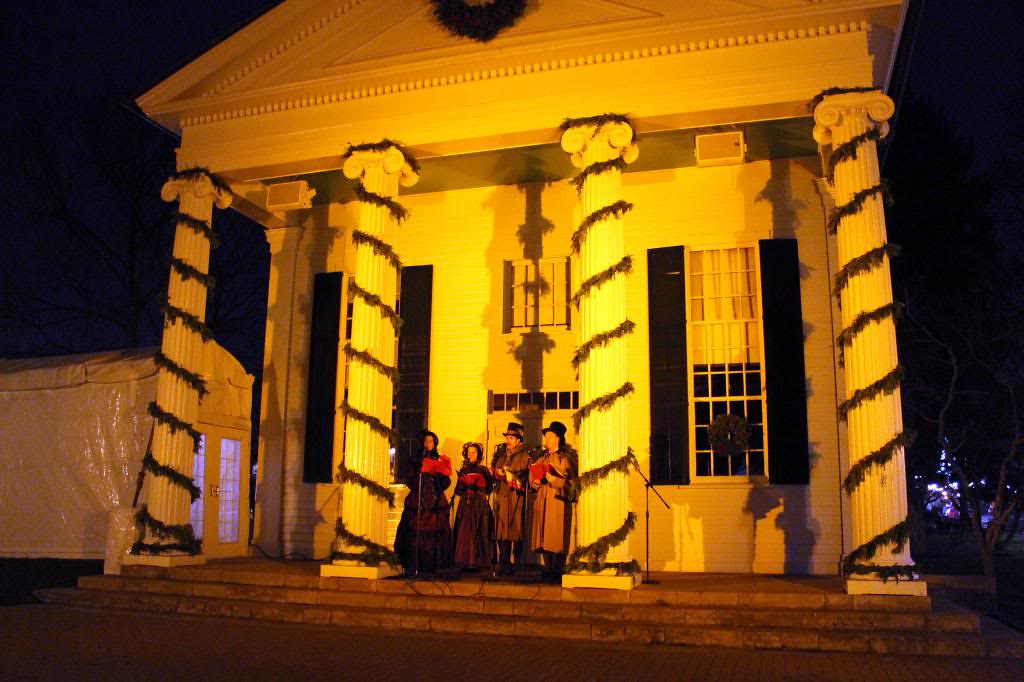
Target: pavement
(59, 643)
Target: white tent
(73, 430)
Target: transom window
(726, 363)
(537, 293)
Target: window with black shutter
(785, 380)
(414, 304)
(323, 368)
(670, 436)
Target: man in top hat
(510, 465)
(553, 476)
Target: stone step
(1000, 644)
(547, 602)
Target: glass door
(221, 514)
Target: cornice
(277, 102)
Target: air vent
(721, 149)
(286, 196)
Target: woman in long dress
(553, 477)
(474, 523)
(424, 537)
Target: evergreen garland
(183, 536)
(600, 403)
(591, 557)
(190, 378)
(174, 423)
(370, 361)
(179, 479)
(597, 121)
(381, 146)
(374, 301)
(848, 150)
(854, 205)
(197, 172)
(380, 247)
(622, 464)
(879, 457)
(618, 163)
(375, 424)
(189, 271)
(616, 210)
(856, 562)
(886, 385)
(729, 434)
(375, 554)
(346, 475)
(602, 339)
(196, 225)
(624, 266)
(398, 212)
(480, 22)
(173, 312)
(863, 263)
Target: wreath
(478, 22)
(729, 435)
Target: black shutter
(785, 382)
(415, 297)
(323, 370)
(666, 304)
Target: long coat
(552, 510)
(430, 549)
(510, 504)
(474, 524)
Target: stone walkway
(51, 643)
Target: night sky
(60, 57)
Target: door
(220, 516)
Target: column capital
(199, 185)
(283, 238)
(390, 160)
(869, 107)
(609, 141)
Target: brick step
(535, 601)
(1001, 645)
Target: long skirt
(474, 532)
(430, 549)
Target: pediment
(301, 47)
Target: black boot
(504, 556)
(517, 556)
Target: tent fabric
(73, 431)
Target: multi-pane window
(230, 488)
(726, 367)
(195, 516)
(537, 293)
(535, 400)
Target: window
(726, 368)
(195, 516)
(537, 293)
(535, 400)
(230, 486)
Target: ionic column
(880, 563)
(365, 415)
(166, 536)
(601, 147)
(284, 243)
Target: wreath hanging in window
(729, 435)
(479, 22)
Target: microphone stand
(419, 504)
(648, 487)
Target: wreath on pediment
(482, 22)
(729, 435)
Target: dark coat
(474, 524)
(434, 537)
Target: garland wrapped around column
(352, 546)
(858, 561)
(591, 557)
(177, 361)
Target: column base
(891, 587)
(164, 560)
(357, 571)
(601, 581)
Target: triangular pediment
(302, 48)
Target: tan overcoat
(552, 509)
(509, 504)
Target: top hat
(557, 428)
(514, 429)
